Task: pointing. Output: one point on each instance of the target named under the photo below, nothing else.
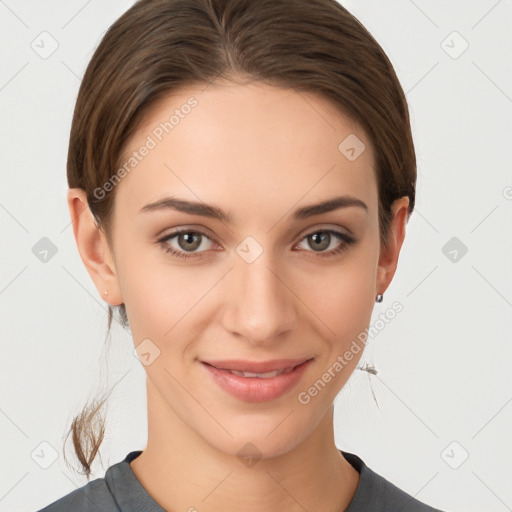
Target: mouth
(258, 369)
(255, 381)
(266, 375)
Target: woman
(241, 174)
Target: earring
(105, 292)
(379, 298)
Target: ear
(388, 258)
(93, 247)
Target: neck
(183, 472)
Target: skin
(258, 152)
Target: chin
(256, 438)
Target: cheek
(160, 301)
(342, 305)
(157, 294)
(344, 297)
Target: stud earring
(379, 298)
(105, 292)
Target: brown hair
(159, 45)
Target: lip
(256, 389)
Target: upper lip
(256, 366)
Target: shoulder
(94, 496)
(379, 494)
(119, 490)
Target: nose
(261, 304)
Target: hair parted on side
(158, 46)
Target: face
(268, 279)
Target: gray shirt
(120, 490)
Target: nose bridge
(261, 304)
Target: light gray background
(444, 383)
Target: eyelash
(348, 241)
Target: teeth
(266, 375)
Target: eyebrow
(206, 210)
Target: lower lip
(254, 389)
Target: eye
(188, 241)
(323, 239)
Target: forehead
(253, 146)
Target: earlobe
(388, 258)
(93, 247)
